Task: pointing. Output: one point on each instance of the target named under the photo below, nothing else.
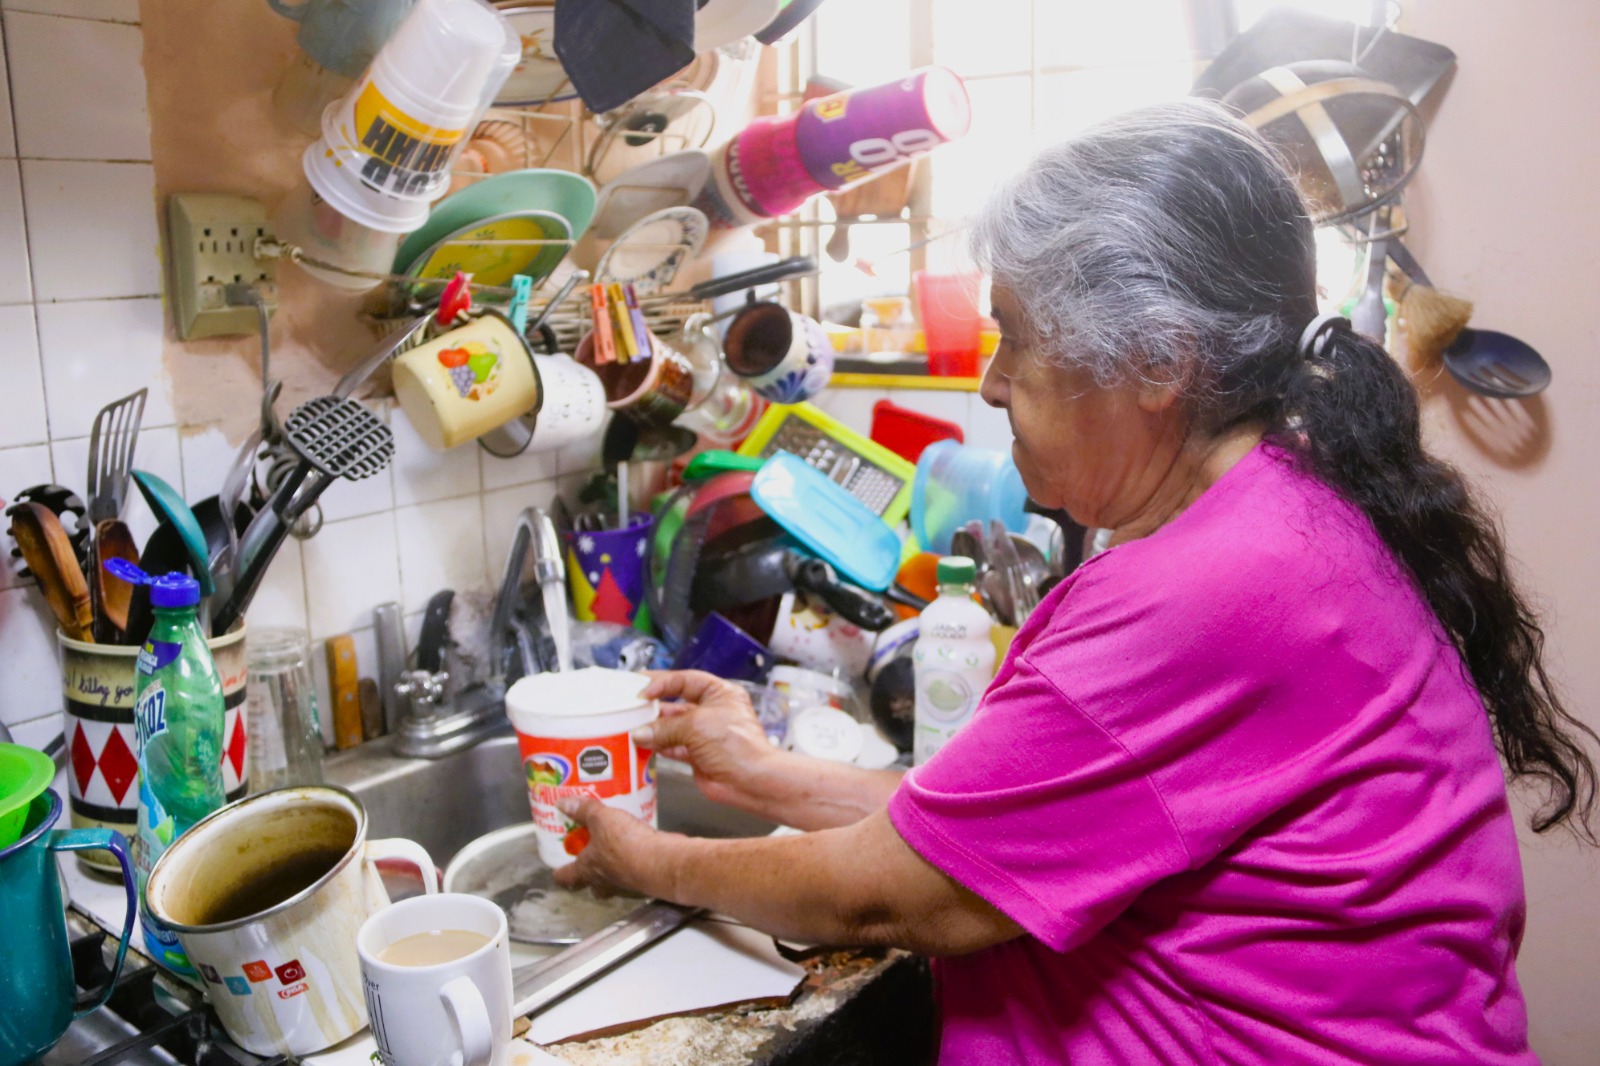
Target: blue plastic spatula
(824, 517)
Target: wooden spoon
(113, 540)
(48, 550)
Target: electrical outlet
(211, 238)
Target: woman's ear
(1157, 399)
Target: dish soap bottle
(953, 658)
(178, 720)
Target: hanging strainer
(1352, 140)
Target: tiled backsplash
(81, 324)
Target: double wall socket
(211, 239)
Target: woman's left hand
(623, 855)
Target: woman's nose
(995, 387)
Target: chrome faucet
(513, 649)
(432, 727)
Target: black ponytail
(1351, 416)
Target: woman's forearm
(808, 793)
(859, 884)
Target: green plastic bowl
(24, 775)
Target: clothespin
(455, 301)
(641, 329)
(627, 344)
(604, 349)
(521, 293)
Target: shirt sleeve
(1041, 812)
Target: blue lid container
(957, 483)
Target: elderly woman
(1233, 796)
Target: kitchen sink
(445, 804)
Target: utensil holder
(97, 682)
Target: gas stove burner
(149, 1019)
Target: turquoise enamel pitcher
(36, 985)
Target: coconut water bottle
(953, 658)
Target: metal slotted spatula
(335, 438)
(111, 443)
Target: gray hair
(1168, 245)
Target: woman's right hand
(708, 723)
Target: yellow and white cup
(465, 382)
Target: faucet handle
(422, 686)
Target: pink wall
(1503, 212)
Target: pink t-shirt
(1236, 786)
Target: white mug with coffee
(267, 896)
(437, 976)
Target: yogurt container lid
(590, 702)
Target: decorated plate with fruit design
(493, 250)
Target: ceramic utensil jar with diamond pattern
(102, 760)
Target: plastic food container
(388, 145)
(957, 483)
(573, 733)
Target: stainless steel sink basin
(443, 804)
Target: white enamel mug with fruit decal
(465, 382)
(438, 1006)
(267, 896)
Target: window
(1037, 72)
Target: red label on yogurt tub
(611, 768)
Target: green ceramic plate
(561, 192)
(473, 250)
(24, 774)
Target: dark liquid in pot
(289, 876)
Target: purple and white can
(846, 137)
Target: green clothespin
(521, 293)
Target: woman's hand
(713, 728)
(624, 855)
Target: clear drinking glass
(281, 710)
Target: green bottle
(179, 722)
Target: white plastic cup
(573, 730)
(388, 144)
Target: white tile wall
(441, 547)
(8, 132)
(91, 229)
(423, 475)
(15, 285)
(96, 351)
(33, 682)
(55, 63)
(22, 415)
(350, 566)
(81, 324)
(523, 469)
